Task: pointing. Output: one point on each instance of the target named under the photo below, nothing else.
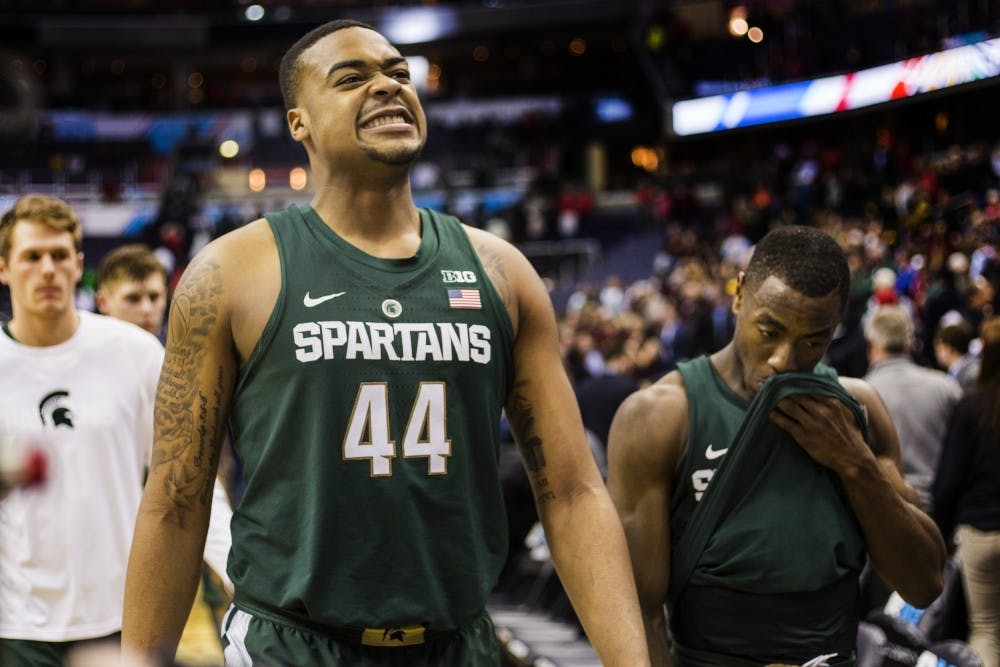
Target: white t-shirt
(88, 402)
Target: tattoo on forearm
(493, 264)
(186, 419)
(544, 496)
(522, 419)
(521, 414)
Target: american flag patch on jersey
(464, 298)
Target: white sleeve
(219, 538)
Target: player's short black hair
(804, 258)
(290, 71)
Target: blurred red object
(22, 465)
(886, 295)
(36, 468)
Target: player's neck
(44, 332)
(727, 364)
(382, 221)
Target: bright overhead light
(254, 13)
(418, 24)
(297, 178)
(229, 149)
(420, 69)
(257, 180)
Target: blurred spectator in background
(943, 296)
(132, 286)
(576, 203)
(951, 349)
(967, 497)
(920, 400)
(981, 298)
(600, 395)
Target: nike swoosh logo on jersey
(309, 302)
(712, 454)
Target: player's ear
(298, 123)
(738, 293)
(101, 298)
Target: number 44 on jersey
(424, 436)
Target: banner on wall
(845, 92)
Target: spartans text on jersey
(399, 341)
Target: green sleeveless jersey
(777, 580)
(367, 417)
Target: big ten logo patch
(457, 276)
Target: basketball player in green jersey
(776, 580)
(362, 350)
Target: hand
(825, 428)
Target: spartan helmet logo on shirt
(52, 411)
(392, 308)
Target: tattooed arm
(581, 525)
(192, 402)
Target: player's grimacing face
(779, 330)
(356, 98)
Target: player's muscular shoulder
(251, 271)
(653, 423)
(859, 389)
(868, 397)
(883, 439)
(504, 266)
(669, 413)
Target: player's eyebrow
(775, 324)
(771, 322)
(360, 64)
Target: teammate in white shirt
(81, 386)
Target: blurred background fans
(634, 150)
(550, 119)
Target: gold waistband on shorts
(403, 636)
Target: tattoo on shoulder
(187, 415)
(493, 263)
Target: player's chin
(402, 153)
